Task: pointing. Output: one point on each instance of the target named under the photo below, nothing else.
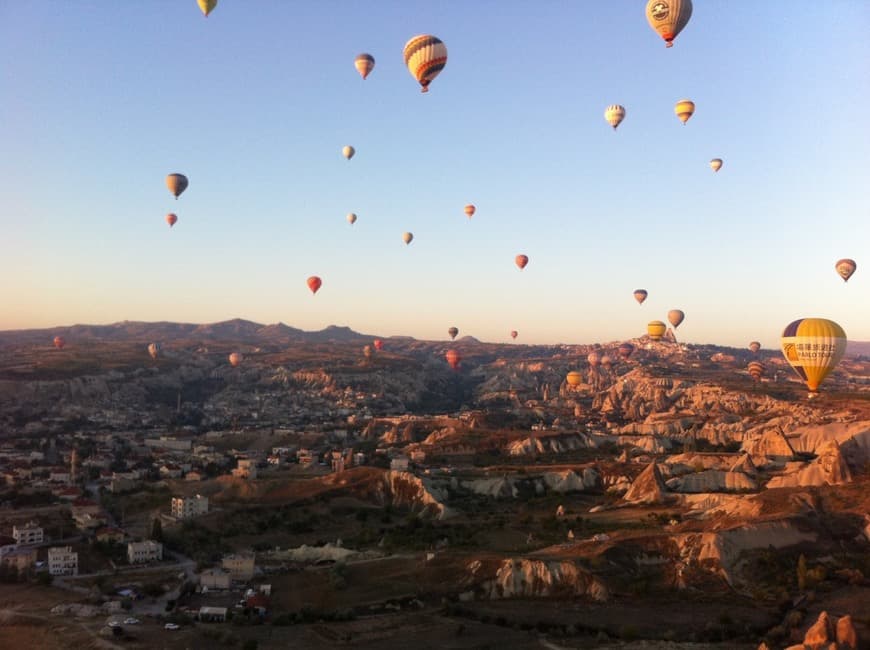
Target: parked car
(171, 626)
(131, 621)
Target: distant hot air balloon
(716, 164)
(347, 151)
(625, 350)
(574, 378)
(755, 346)
(153, 350)
(656, 330)
(514, 334)
(314, 283)
(675, 317)
(351, 218)
(367, 351)
(171, 219)
(425, 56)
(59, 342)
(521, 261)
(453, 331)
(755, 370)
(684, 110)
(236, 358)
(640, 295)
(594, 359)
(606, 361)
(407, 237)
(379, 344)
(813, 347)
(614, 114)
(206, 6)
(668, 17)
(470, 210)
(846, 268)
(364, 64)
(453, 358)
(176, 183)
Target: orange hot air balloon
(379, 344)
(640, 295)
(314, 283)
(656, 330)
(625, 350)
(756, 370)
(453, 358)
(453, 331)
(236, 358)
(594, 359)
(675, 317)
(470, 210)
(521, 261)
(574, 378)
(364, 64)
(171, 219)
(755, 346)
(59, 342)
(514, 334)
(176, 183)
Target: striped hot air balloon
(364, 64)
(755, 370)
(614, 114)
(684, 109)
(425, 55)
(656, 330)
(813, 347)
(574, 378)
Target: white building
(63, 561)
(187, 507)
(29, 533)
(147, 551)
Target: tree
(157, 530)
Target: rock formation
(648, 487)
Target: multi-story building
(29, 533)
(239, 566)
(147, 551)
(214, 579)
(187, 507)
(63, 561)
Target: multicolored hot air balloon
(453, 358)
(614, 114)
(656, 330)
(379, 344)
(514, 334)
(314, 283)
(425, 55)
(754, 346)
(640, 295)
(171, 219)
(351, 218)
(668, 17)
(236, 358)
(206, 6)
(59, 342)
(453, 331)
(176, 183)
(755, 370)
(521, 261)
(846, 268)
(675, 317)
(684, 110)
(813, 347)
(153, 350)
(574, 378)
(625, 350)
(470, 210)
(716, 164)
(594, 359)
(347, 151)
(407, 237)
(364, 64)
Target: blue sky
(99, 100)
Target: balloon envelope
(574, 378)
(813, 347)
(625, 350)
(351, 218)
(453, 331)
(656, 330)
(668, 17)
(470, 210)
(521, 261)
(206, 6)
(347, 151)
(367, 351)
(153, 350)
(846, 268)
(640, 295)
(614, 115)
(514, 334)
(684, 110)
(171, 219)
(675, 317)
(364, 64)
(314, 283)
(379, 344)
(716, 164)
(453, 358)
(235, 359)
(176, 183)
(755, 346)
(59, 342)
(755, 370)
(407, 237)
(425, 55)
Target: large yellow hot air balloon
(684, 109)
(668, 17)
(846, 268)
(614, 114)
(813, 347)
(640, 295)
(425, 55)
(206, 6)
(364, 64)
(176, 183)
(675, 317)
(574, 378)
(656, 330)
(716, 164)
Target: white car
(171, 626)
(113, 624)
(131, 621)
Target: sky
(100, 100)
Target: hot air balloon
(351, 218)
(594, 359)
(574, 378)
(656, 330)
(206, 6)
(521, 261)
(716, 164)
(453, 358)
(614, 114)
(153, 350)
(236, 358)
(59, 342)
(453, 331)
(347, 151)
(176, 183)
(367, 351)
(640, 295)
(625, 350)
(364, 64)
(675, 317)
(470, 210)
(314, 283)
(379, 344)
(425, 56)
(813, 347)
(171, 219)
(755, 346)
(755, 370)
(846, 268)
(514, 334)
(668, 17)
(606, 361)
(684, 110)
(407, 237)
